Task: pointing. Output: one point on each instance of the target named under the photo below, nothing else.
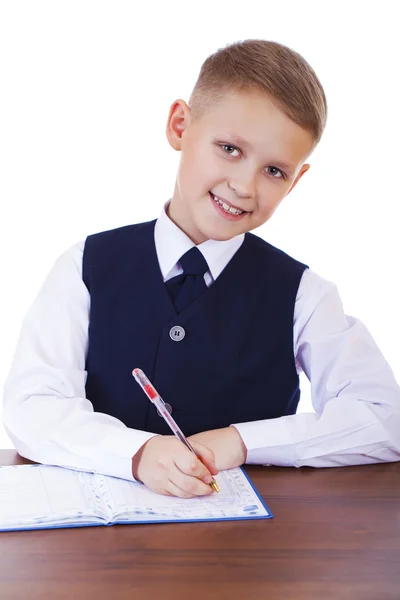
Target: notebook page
(134, 502)
(33, 494)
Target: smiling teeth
(227, 208)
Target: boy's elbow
(390, 448)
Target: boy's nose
(244, 188)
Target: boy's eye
(274, 171)
(229, 146)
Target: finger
(206, 456)
(190, 464)
(210, 465)
(169, 488)
(190, 486)
(175, 490)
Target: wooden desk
(335, 535)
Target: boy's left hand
(227, 445)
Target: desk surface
(335, 536)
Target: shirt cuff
(122, 445)
(268, 442)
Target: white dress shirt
(49, 419)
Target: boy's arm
(354, 393)
(46, 413)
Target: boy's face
(252, 174)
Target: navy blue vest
(235, 362)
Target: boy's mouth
(226, 206)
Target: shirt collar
(171, 243)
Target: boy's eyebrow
(242, 142)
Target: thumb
(206, 456)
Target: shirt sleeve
(353, 391)
(46, 413)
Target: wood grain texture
(335, 536)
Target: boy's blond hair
(268, 67)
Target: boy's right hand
(167, 467)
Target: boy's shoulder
(107, 247)
(265, 251)
(123, 232)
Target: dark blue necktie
(186, 287)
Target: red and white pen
(159, 403)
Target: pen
(159, 403)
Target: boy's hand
(167, 467)
(226, 444)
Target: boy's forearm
(227, 445)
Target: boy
(219, 320)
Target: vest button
(177, 333)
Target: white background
(86, 88)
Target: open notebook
(43, 497)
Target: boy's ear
(178, 120)
(300, 174)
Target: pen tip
(214, 486)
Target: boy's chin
(220, 235)
(223, 238)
